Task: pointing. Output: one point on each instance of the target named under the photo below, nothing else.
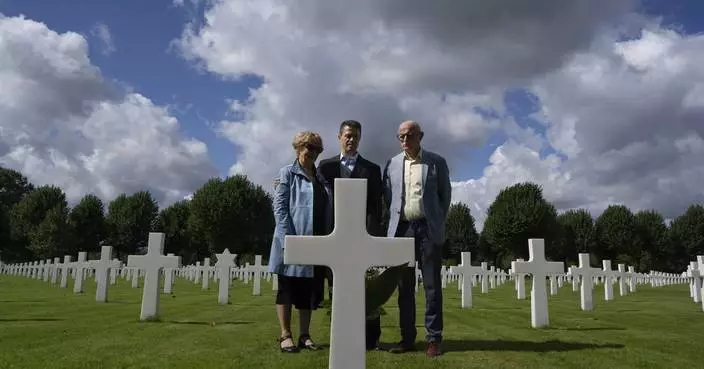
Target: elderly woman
(301, 207)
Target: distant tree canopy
(576, 235)
(234, 213)
(461, 233)
(519, 212)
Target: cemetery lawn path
(43, 326)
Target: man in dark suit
(349, 164)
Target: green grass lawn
(43, 326)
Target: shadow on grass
(122, 302)
(31, 320)
(528, 346)
(213, 323)
(592, 329)
(247, 304)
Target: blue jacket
(293, 211)
(437, 193)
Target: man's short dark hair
(352, 124)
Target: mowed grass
(43, 326)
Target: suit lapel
(400, 169)
(424, 168)
(331, 169)
(337, 172)
(357, 171)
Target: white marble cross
(696, 283)
(484, 275)
(609, 275)
(622, 287)
(55, 270)
(79, 267)
(467, 271)
(349, 251)
(225, 262)
(257, 269)
(520, 281)
(64, 271)
(586, 274)
(700, 267)
(205, 270)
(102, 267)
(169, 278)
(152, 263)
(47, 270)
(539, 268)
(632, 278)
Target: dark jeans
(429, 258)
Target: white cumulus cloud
(66, 125)
(619, 97)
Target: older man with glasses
(417, 191)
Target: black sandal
(302, 342)
(289, 349)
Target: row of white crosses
(349, 251)
(79, 269)
(540, 268)
(153, 262)
(203, 273)
(695, 273)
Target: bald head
(410, 125)
(410, 134)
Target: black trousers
(429, 258)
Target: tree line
(37, 223)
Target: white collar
(355, 156)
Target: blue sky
(143, 30)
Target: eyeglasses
(314, 148)
(406, 136)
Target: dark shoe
(401, 348)
(433, 350)
(373, 346)
(372, 333)
(287, 349)
(305, 342)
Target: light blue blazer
(437, 193)
(293, 211)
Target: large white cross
(349, 251)
(152, 263)
(102, 267)
(467, 271)
(539, 268)
(225, 262)
(586, 274)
